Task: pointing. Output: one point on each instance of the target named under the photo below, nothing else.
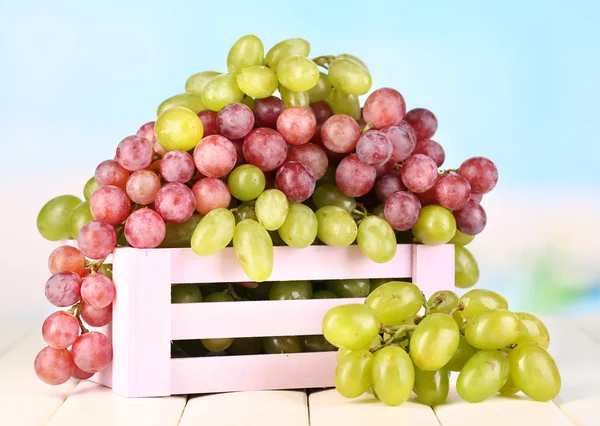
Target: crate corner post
(433, 267)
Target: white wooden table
(25, 401)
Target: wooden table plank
(15, 332)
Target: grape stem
(459, 307)
(369, 126)
(446, 171)
(236, 213)
(395, 333)
(75, 310)
(426, 306)
(324, 61)
(232, 293)
(398, 166)
(439, 299)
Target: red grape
(408, 129)
(402, 143)
(423, 121)
(110, 204)
(147, 132)
(66, 259)
(322, 111)
(265, 148)
(267, 110)
(310, 155)
(387, 185)
(353, 177)
(453, 191)
(60, 330)
(53, 366)
(177, 166)
(239, 150)
(143, 186)
(211, 194)
(476, 197)
(175, 202)
(98, 291)
(481, 173)
(235, 121)
(385, 169)
(428, 197)
(209, 122)
(135, 153)
(97, 240)
(63, 289)
(384, 107)
(471, 219)
(145, 229)
(419, 173)
(374, 148)
(110, 172)
(432, 149)
(92, 352)
(159, 149)
(361, 122)
(96, 317)
(333, 157)
(295, 180)
(79, 374)
(215, 156)
(340, 133)
(297, 125)
(154, 167)
(402, 210)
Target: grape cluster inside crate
(145, 322)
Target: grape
(175, 202)
(463, 353)
(300, 227)
(482, 376)
(402, 210)
(431, 149)
(387, 185)
(431, 387)
(492, 329)
(355, 178)
(79, 374)
(285, 49)
(351, 326)
(290, 290)
(246, 210)
(98, 291)
(533, 330)
(408, 129)
(265, 148)
(211, 194)
(246, 182)
(143, 186)
(96, 317)
(53, 366)
(185, 293)
(297, 73)
(349, 76)
(423, 121)
(481, 173)
(447, 301)
(235, 121)
(316, 343)
(184, 100)
(384, 107)
(297, 125)
(60, 330)
(419, 173)
(53, 219)
(145, 228)
(257, 82)
(110, 204)
(266, 111)
(466, 270)
(534, 371)
(177, 166)
(378, 282)
(324, 294)
(247, 52)
(312, 156)
(245, 346)
(220, 91)
(97, 240)
(63, 289)
(134, 153)
(336, 226)
(294, 99)
(435, 226)
(295, 180)
(379, 211)
(66, 259)
(476, 198)
(254, 249)
(434, 341)
(196, 82)
(353, 375)
(217, 345)
(146, 131)
(471, 219)
(321, 90)
(321, 110)
(178, 129)
(509, 388)
(215, 156)
(395, 302)
(179, 235)
(110, 172)
(402, 143)
(461, 239)
(343, 103)
(453, 191)
(271, 209)
(340, 133)
(374, 148)
(349, 288)
(479, 300)
(376, 239)
(330, 195)
(281, 345)
(90, 187)
(393, 375)
(428, 197)
(213, 233)
(239, 152)
(92, 352)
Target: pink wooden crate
(145, 321)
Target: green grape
(246, 210)
(341, 353)
(435, 226)
(350, 287)
(247, 52)
(461, 356)
(379, 211)
(185, 293)
(354, 58)
(254, 249)
(466, 270)
(218, 297)
(248, 101)
(220, 91)
(53, 219)
(89, 188)
(443, 301)
(330, 195)
(393, 375)
(324, 294)
(328, 178)
(195, 84)
(183, 100)
(434, 341)
(277, 240)
(510, 387)
(321, 90)
(461, 239)
(213, 233)
(353, 374)
(534, 371)
(336, 226)
(78, 218)
(285, 49)
(271, 209)
(396, 302)
(178, 128)
(179, 235)
(294, 99)
(532, 330)
(297, 73)
(432, 387)
(349, 76)
(493, 329)
(216, 345)
(281, 345)
(378, 282)
(482, 376)
(291, 290)
(316, 343)
(351, 326)
(343, 103)
(106, 270)
(257, 82)
(246, 182)
(376, 239)
(479, 300)
(245, 346)
(300, 227)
